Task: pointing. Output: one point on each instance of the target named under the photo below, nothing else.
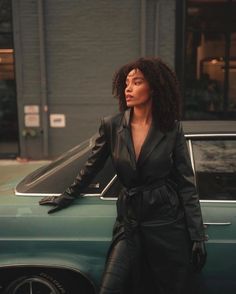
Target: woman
(159, 231)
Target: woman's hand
(58, 203)
(199, 255)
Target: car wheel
(35, 285)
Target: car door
(214, 160)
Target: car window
(102, 179)
(113, 189)
(55, 177)
(215, 168)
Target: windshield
(55, 177)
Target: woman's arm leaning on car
(190, 200)
(95, 162)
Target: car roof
(209, 127)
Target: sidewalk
(21, 161)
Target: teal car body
(65, 252)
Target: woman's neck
(142, 114)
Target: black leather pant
(117, 276)
(117, 272)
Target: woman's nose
(128, 88)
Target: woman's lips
(129, 97)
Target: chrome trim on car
(103, 191)
(90, 195)
(35, 194)
(106, 188)
(109, 198)
(192, 161)
(49, 194)
(51, 267)
(218, 224)
(191, 155)
(83, 195)
(209, 135)
(218, 201)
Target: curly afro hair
(163, 83)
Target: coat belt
(137, 190)
(132, 226)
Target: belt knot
(132, 192)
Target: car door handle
(217, 224)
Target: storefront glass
(8, 106)
(210, 60)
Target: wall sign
(57, 120)
(31, 109)
(32, 120)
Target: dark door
(8, 106)
(215, 167)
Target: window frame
(204, 136)
(181, 29)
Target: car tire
(40, 284)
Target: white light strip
(6, 51)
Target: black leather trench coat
(158, 210)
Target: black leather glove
(58, 203)
(199, 255)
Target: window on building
(8, 107)
(210, 59)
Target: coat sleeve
(186, 187)
(95, 162)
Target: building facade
(57, 59)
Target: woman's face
(137, 90)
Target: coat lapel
(154, 137)
(125, 134)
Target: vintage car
(65, 252)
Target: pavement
(21, 161)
